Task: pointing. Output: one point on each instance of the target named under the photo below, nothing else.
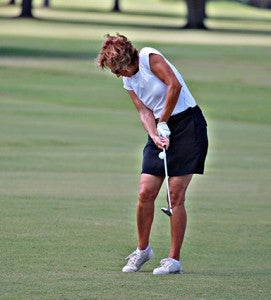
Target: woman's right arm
(148, 121)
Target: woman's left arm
(163, 71)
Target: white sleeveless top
(151, 90)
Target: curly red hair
(117, 53)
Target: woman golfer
(173, 121)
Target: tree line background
(196, 9)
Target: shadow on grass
(159, 27)
(124, 12)
(103, 22)
(177, 14)
(45, 53)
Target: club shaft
(166, 178)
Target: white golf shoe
(137, 259)
(169, 266)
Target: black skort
(188, 146)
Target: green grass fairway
(70, 154)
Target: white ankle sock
(178, 261)
(145, 250)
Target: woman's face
(129, 72)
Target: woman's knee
(178, 187)
(149, 188)
(177, 198)
(146, 195)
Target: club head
(167, 211)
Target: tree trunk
(26, 9)
(46, 3)
(260, 3)
(116, 6)
(196, 14)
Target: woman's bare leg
(148, 191)
(178, 186)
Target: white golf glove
(163, 130)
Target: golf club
(168, 211)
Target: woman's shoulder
(144, 56)
(147, 51)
